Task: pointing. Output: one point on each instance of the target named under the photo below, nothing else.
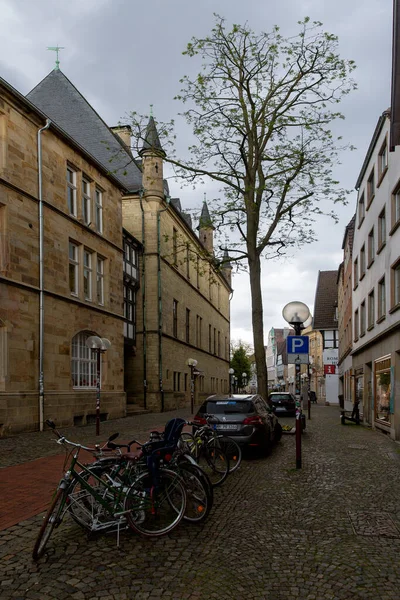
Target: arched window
(83, 362)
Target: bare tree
(261, 109)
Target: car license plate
(226, 426)
(280, 409)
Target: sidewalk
(26, 485)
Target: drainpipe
(168, 200)
(41, 278)
(143, 285)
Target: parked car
(246, 418)
(283, 404)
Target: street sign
(297, 344)
(297, 359)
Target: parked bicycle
(153, 504)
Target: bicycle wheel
(155, 510)
(214, 463)
(52, 519)
(199, 497)
(186, 442)
(230, 448)
(83, 506)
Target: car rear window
(223, 407)
(281, 397)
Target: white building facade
(376, 284)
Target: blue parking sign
(297, 344)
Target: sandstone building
(88, 248)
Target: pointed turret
(226, 267)
(152, 162)
(206, 229)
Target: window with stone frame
(371, 309)
(130, 313)
(381, 299)
(395, 285)
(356, 325)
(371, 247)
(187, 326)
(355, 273)
(363, 318)
(98, 209)
(86, 200)
(83, 362)
(100, 280)
(361, 209)
(382, 160)
(395, 209)
(71, 191)
(73, 268)
(175, 318)
(381, 230)
(362, 261)
(87, 274)
(371, 187)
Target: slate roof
(326, 298)
(205, 219)
(59, 99)
(151, 140)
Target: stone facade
(65, 314)
(183, 307)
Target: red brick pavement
(26, 489)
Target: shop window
(382, 392)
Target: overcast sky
(123, 55)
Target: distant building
(276, 357)
(326, 321)
(345, 291)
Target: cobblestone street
(328, 531)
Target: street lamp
(244, 380)
(296, 314)
(192, 362)
(231, 372)
(98, 346)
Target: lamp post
(244, 380)
(98, 346)
(235, 382)
(296, 313)
(231, 372)
(192, 363)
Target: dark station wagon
(283, 404)
(245, 418)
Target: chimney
(124, 132)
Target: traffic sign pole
(298, 417)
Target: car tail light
(199, 421)
(256, 420)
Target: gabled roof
(58, 98)
(349, 233)
(326, 297)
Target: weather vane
(56, 49)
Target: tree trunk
(258, 325)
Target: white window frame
(73, 264)
(86, 200)
(88, 274)
(100, 280)
(71, 191)
(83, 363)
(98, 195)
